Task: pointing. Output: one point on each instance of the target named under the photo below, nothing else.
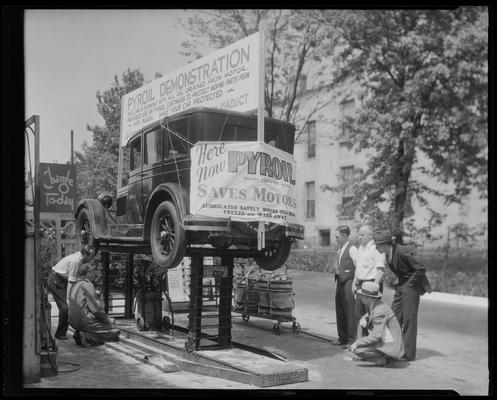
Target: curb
(456, 299)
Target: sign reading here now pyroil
(225, 79)
(246, 181)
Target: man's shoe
(381, 362)
(84, 341)
(77, 338)
(61, 337)
(338, 343)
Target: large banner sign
(225, 79)
(57, 188)
(247, 181)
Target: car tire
(83, 225)
(274, 256)
(167, 236)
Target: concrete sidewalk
(446, 359)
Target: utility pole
(72, 147)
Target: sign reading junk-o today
(225, 79)
(57, 188)
(247, 181)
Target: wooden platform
(166, 350)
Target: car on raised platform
(152, 211)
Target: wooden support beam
(225, 299)
(128, 288)
(195, 307)
(105, 261)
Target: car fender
(98, 216)
(166, 191)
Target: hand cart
(256, 296)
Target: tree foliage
(97, 164)
(424, 76)
(294, 39)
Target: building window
(347, 111)
(311, 139)
(348, 193)
(310, 199)
(324, 237)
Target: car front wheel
(167, 236)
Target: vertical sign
(57, 187)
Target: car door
(176, 152)
(152, 164)
(134, 206)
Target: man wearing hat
(412, 284)
(92, 325)
(383, 341)
(58, 282)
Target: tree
(97, 164)
(424, 77)
(294, 39)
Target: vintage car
(152, 207)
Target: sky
(72, 54)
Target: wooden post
(195, 307)
(128, 288)
(37, 238)
(225, 300)
(30, 359)
(72, 147)
(58, 237)
(121, 153)
(105, 262)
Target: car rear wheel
(274, 256)
(167, 236)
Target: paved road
(452, 351)
(452, 344)
(312, 288)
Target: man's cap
(382, 236)
(84, 268)
(370, 289)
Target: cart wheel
(296, 327)
(277, 329)
(166, 322)
(140, 325)
(245, 317)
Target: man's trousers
(58, 287)
(344, 305)
(405, 306)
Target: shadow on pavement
(395, 365)
(427, 353)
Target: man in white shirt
(57, 283)
(370, 266)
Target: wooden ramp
(166, 351)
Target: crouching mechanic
(91, 324)
(383, 342)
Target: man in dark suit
(344, 297)
(412, 284)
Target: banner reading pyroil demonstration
(247, 181)
(226, 79)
